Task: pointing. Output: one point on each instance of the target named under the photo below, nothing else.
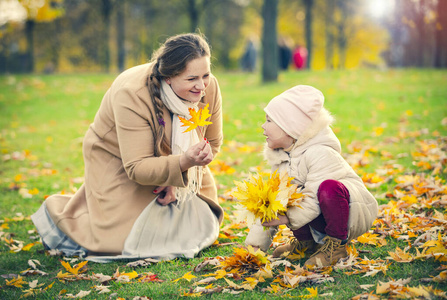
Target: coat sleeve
(135, 137)
(320, 163)
(260, 236)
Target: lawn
(392, 125)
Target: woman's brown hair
(168, 61)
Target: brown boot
(328, 254)
(295, 247)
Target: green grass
(43, 120)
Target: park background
(110, 35)
(380, 64)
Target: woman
(148, 191)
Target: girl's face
(190, 85)
(276, 137)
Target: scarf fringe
(181, 141)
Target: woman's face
(190, 85)
(276, 137)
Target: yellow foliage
(17, 282)
(244, 259)
(43, 11)
(76, 269)
(265, 199)
(198, 118)
(188, 276)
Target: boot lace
(327, 248)
(298, 245)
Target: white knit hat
(295, 109)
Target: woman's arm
(135, 137)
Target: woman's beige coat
(121, 170)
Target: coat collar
(318, 132)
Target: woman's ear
(168, 80)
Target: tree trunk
(269, 41)
(193, 15)
(120, 34)
(29, 31)
(56, 44)
(441, 35)
(308, 29)
(106, 10)
(342, 39)
(329, 31)
(421, 36)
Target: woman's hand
(166, 194)
(199, 154)
(282, 220)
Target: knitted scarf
(181, 140)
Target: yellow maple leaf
(29, 246)
(274, 288)
(313, 292)
(400, 255)
(352, 251)
(250, 281)
(198, 118)
(74, 270)
(437, 248)
(368, 238)
(64, 276)
(49, 286)
(188, 276)
(17, 282)
(130, 275)
(441, 277)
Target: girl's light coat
(314, 158)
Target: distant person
(285, 54)
(336, 207)
(248, 59)
(148, 191)
(300, 58)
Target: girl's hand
(166, 194)
(255, 248)
(282, 220)
(199, 154)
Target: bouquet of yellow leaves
(265, 199)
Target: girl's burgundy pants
(333, 197)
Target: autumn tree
(329, 33)
(441, 35)
(222, 23)
(195, 10)
(269, 41)
(38, 11)
(414, 28)
(308, 4)
(106, 9)
(120, 34)
(342, 38)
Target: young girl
(336, 206)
